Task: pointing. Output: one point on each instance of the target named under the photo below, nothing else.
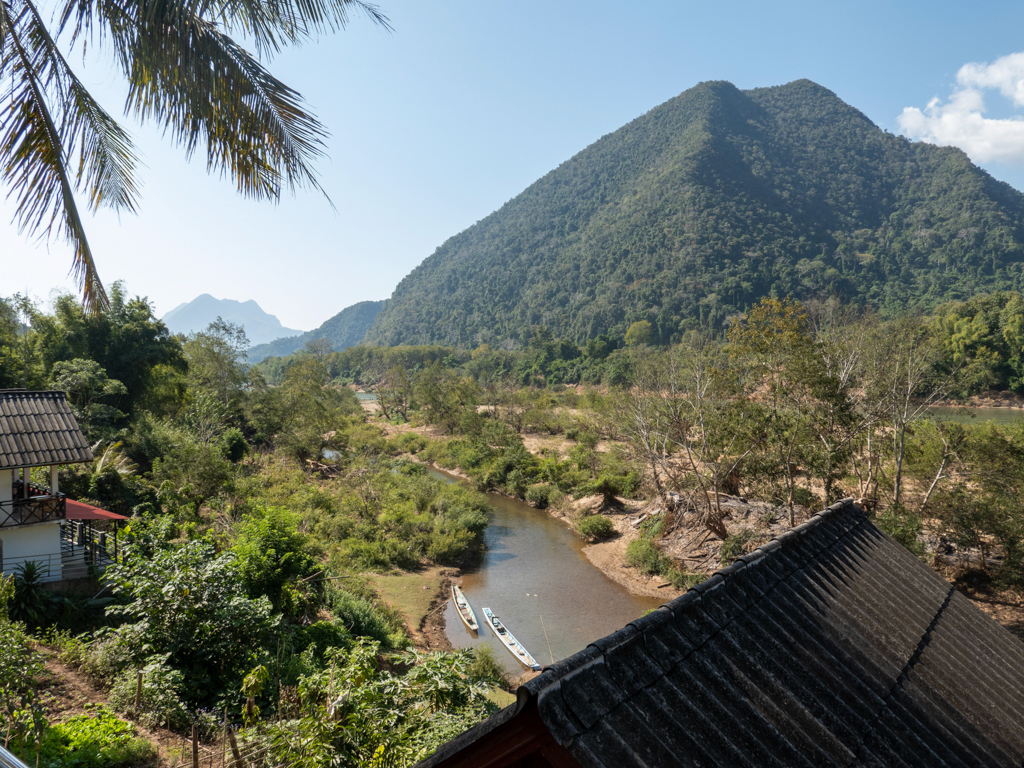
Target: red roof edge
(79, 510)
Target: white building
(38, 431)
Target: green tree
(639, 334)
(185, 73)
(775, 348)
(88, 388)
(447, 397)
(216, 360)
(126, 339)
(191, 604)
(313, 412)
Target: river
(977, 415)
(535, 577)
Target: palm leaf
(49, 118)
(204, 88)
(32, 159)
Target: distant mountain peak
(196, 315)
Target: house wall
(6, 484)
(40, 543)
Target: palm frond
(271, 24)
(204, 88)
(32, 159)
(106, 158)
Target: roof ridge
(553, 673)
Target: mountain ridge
(343, 330)
(691, 212)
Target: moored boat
(465, 609)
(508, 640)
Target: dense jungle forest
(690, 214)
(265, 500)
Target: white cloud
(961, 121)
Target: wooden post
(195, 746)
(234, 749)
(138, 694)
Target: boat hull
(509, 641)
(464, 609)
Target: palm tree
(185, 72)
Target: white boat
(465, 609)
(514, 646)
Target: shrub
(645, 557)
(904, 528)
(595, 527)
(408, 442)
(71, 650)
(98, 739)
(322, 635)
(804, 497)
(31, 603)
(359, 617)
(486, 667)
(735, 545)
(160, 704)
(107, 657)
(683, 580)
(542, 495)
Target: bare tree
(905, 383)
(683, 422)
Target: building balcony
(39, 506)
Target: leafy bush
(71, 650)
(160, 704)
(735, 546)
(31, 603)
(903, 527)
(595, 527)
(21, 711)
(191, 603)
(645, 557)
(271, 558)
(322, 635)
(98, 739)
(408, 442)
(542, 495)
(360, 617)
(486, 667)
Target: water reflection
(535, 577)
(977, 415)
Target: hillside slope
(345, 329)
(195, 315)
(708, 202)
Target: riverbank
(1009, 400)
(420, 598)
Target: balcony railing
(40, 506)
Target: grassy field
(411, 593)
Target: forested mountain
(195, 315)
(694, 211)
(345, 329)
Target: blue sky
(437, 124)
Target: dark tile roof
(38, 428)
(829, 646)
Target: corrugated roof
(37, 429)
(829, 646)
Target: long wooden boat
(514, 646)
(465, 609)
